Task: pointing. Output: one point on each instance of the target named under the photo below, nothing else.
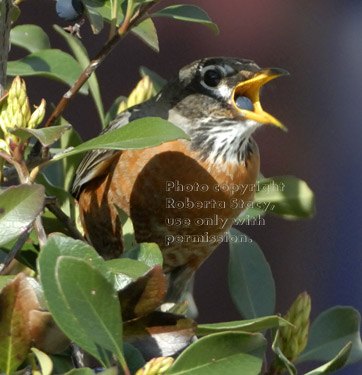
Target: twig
(126, 26)
(7, 157)
(15, 250)
(5, 25)
(53, 207)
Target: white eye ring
(217, 70)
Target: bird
(182, 195)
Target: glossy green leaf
(80, 53)
(63, 196)
(44, 361)
(286, 196)
(61, 245)
(147, 252)
(50, 63)
(70, 139)
(133, 358)
(126, 271)
(335, 364)
(30, 37)
(95, 19)
(190, 13)
(222, 353)
(80, 371)
(281, 359)
(138, 134)
(92, 306)
(104, 8)
(112, 112)
(330, 332)
(147, 32)
(46, 136)
(252, 325)
(128, 235)
(157, 81)
(251, 283)
(19, 207)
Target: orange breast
(183, 204)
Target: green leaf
(46, 136)
(251, 282)
(252, 325)
(30, 37)
(146, 252)
(72, 320)
(112, 112)
(285, 196)
(281, 359)
(104, 8)
(222, 353)
(80, 53)
(45, 362)
(70, 139)
(95, 19)
(63, 197)
(128, 235)
(126, 271)
(93, 317)
(19, 207)
(80, 371)
(190, 13)
(138, 134)
(146, 31)
(335, 364)
(133, 358)
(157, 81)
(50, 63)
(330, 332)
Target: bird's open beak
(250, 89)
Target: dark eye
(212, 78)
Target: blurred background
(320, 44)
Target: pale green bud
(141, 93)
(294, 339)
(37, 116)
(4, 146)
(156, 366)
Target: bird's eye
(212, 78)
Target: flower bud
(156, 366)
(294, 339)
(142, 92)
(37, 116)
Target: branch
(15, 250)
(125, 28)
(5, 25)
(53, 207)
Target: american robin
(183, 194)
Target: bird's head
(217, 102)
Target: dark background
(320, 43)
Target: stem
(7, 157)
(24, 178)
(15, 250)
(112, 29)
(5, 25)
(126, 26)
(53, 207)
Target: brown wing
(96, 162)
